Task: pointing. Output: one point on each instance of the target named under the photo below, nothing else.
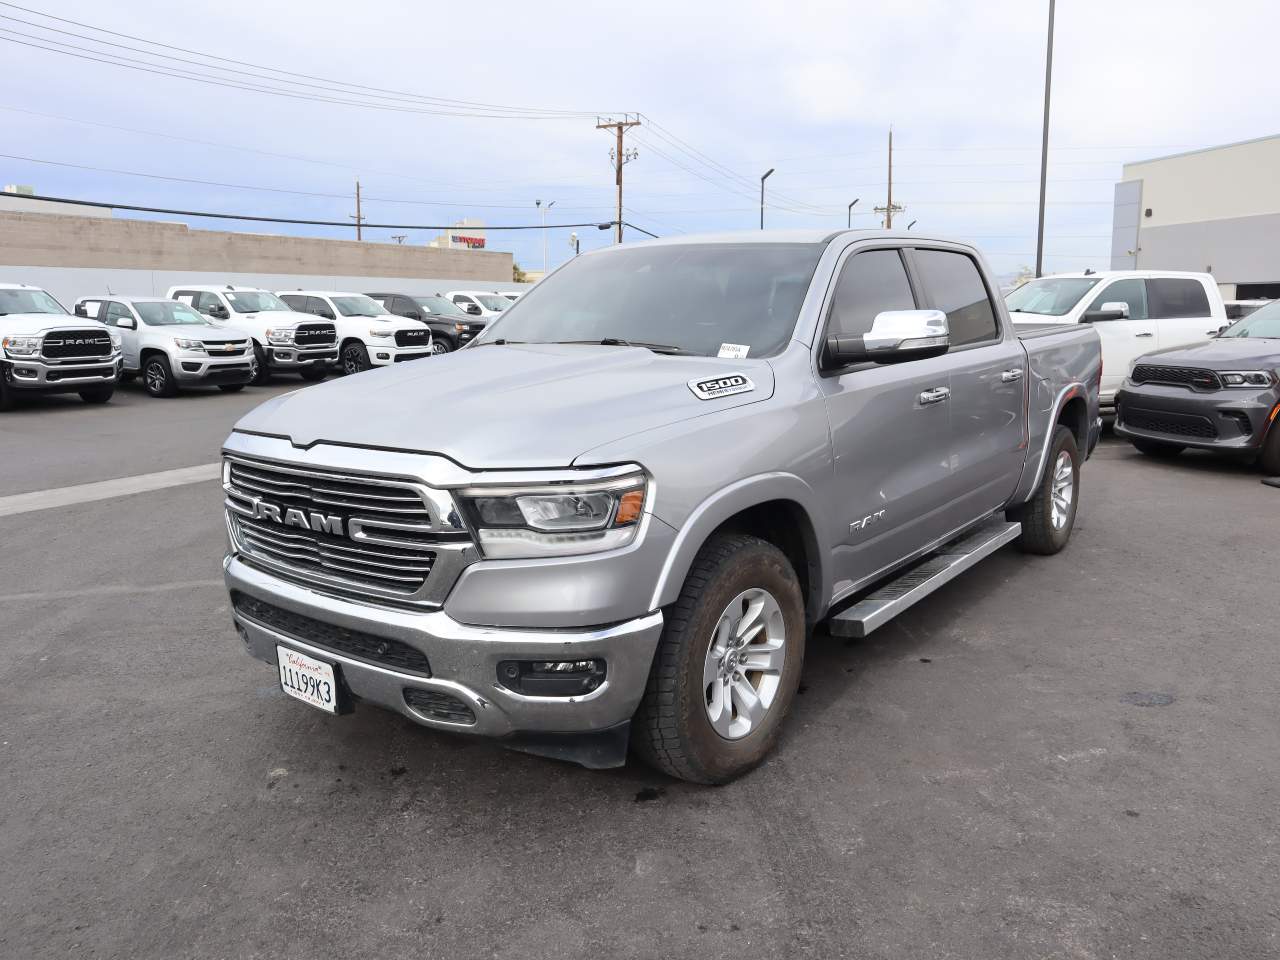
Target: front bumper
(51, 376)
(463, 660)
(300, 358)
(1229, 419)
(199, 368)
(381, 356)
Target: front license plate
(307, 679)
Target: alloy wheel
(1063, 491)
(155, 379)
(742, 671)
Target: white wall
(1239, 180)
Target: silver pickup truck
(678, 458)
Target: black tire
(98, 394)
(439, 345)
(671, 729)
(1157, 448)
(314, 374)
(157, 376)
(6, 391)
(261, 372)
(1269, 458)
(1040, 534)
(231, 387)
(355, 358)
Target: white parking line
(106, 489)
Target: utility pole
(619, 155)
(358, 218)
(766, 176)
(399, 238)
(890, 208)
(543, 211)
(1044, 144)
(850, 211)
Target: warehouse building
(1215, 210)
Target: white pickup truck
(369, 335)
(1133, 311)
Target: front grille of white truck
(367, 536)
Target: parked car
(1239, 309)
(451, 327)
(171, 345)
(514, 295)
(43, 349)
(1132, 310)
(368, 334)
(479, 303)
(675, 460)
(283, 342)
(1223, 395)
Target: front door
(1123, 341)
(890, 429)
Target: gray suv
(678, 458)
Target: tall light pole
(543, 211)
(762, 180)
(850, 223)
(1044, 144)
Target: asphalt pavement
(1071, 757)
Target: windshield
(1050, 297)
(493, 301)
(359, 306)
(1263, 323)
(28, 301)
(700, 298)
(167, 313)
(253, 301)
(440, 305)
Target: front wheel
(439, 345)
(1155, 448)
(261, 373)
(97, 394)
(1049, 516)
(727, 666)
(1269, 458)
(355, 358)
(157, 377)
(231, 387)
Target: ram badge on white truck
(43, 349)
(1133, 311)
(369, 335)
(283, 341)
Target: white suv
(369, 335)
(283, 341)
(171, 345)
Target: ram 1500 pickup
(678, 457)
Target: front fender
(712, 512)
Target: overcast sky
(727, 90)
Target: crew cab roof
(320, 293)
(1109, 274)
(216, 288)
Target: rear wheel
(157, 376)
(355, 358)
(1049, 516)
(98, 394)
(728, 664)
(1156, 448)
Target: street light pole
(850, 211)
(543, 211)
(762, 180)
(1044, 144)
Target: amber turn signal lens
(629, 508)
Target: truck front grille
(413, 338)
(316, 335)
(76, 343)
(226, 348)
(1193, 377)
(359, 534)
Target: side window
(955, 287)
(1176, 297)
(1132, 291)
(870, 283)
(115, 313)
(294, 301)
(461, 299)
(319, 308)
(186, 296)
(204, 301)
(91, 308)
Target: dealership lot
(1071, 756)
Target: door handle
(936, 395)
(1011, 376)
(1144, 334)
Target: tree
(518, 275)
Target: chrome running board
(916, 583)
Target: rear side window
(870, 283)
(1132, 291)
(955, 287)
(1176, 297)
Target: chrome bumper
(293, 358)
(463, 659)
(39, 374)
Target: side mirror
(473, 309)
(219, 311)
(414, 315)
(81, 310)
(128, 323)
(895, 335)
(1111, 310)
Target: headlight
(21, 346)
(194, 345)
(556, 520)
(280, 335)
(375, 332)
(116, 340)
(1246, 378)
(460, 328)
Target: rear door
(1123, 341)
(1180, 308)
(988, 371)
(890, 437)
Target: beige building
(1216, 210)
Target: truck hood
(500, 407)
(276, 318)
(1222, 353)
(203, 332)
(29, 323)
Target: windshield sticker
(733, 351)
(712, 388)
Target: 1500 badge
(725, 385)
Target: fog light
(23, 372)
(384, 356)
(551, 678)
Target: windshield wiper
(664, 348)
